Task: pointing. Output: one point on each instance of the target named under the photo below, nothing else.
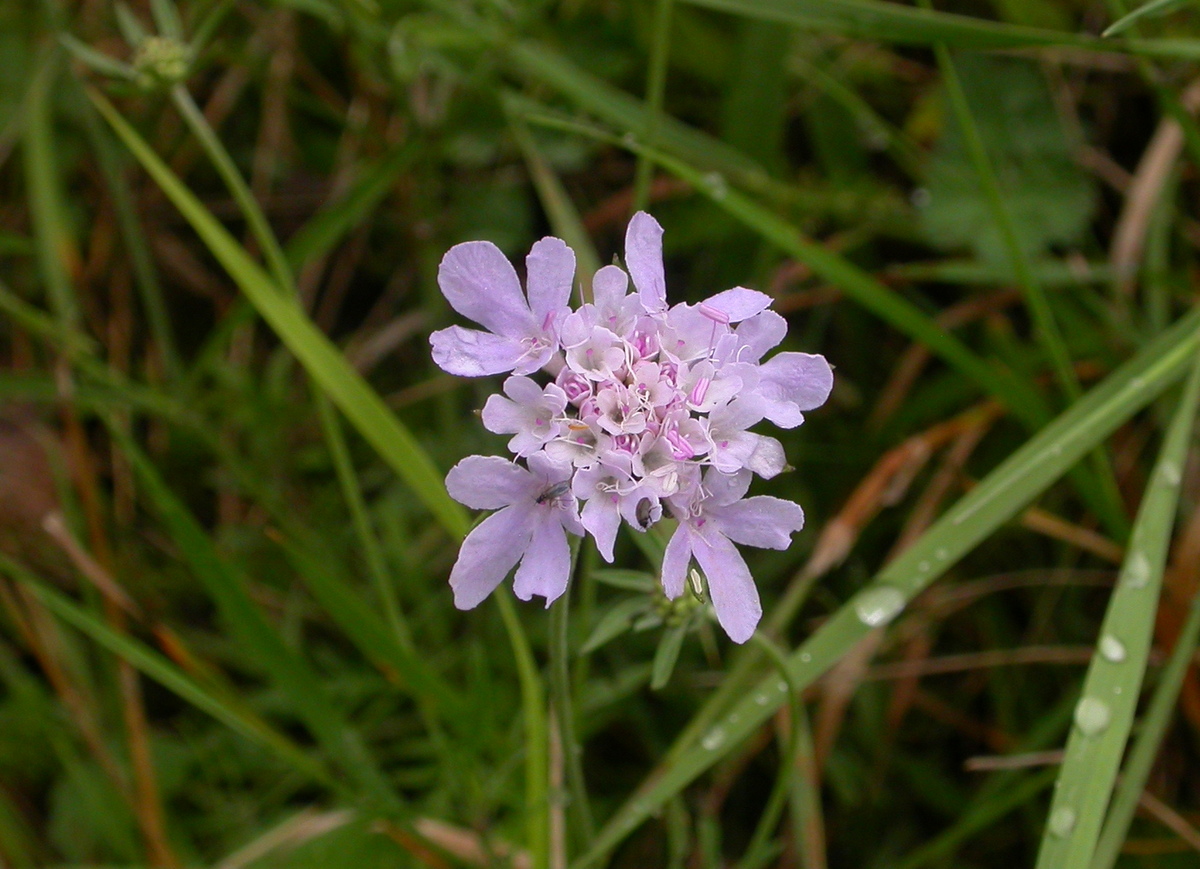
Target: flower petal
(675, 562)
(734, 595)
(768, 458)
(488, 554)
(802, 378)
(609, 287)
(739, 303)
(760, 333)
(480, 283)
(546, 564)
(643, 258)
(502, 416)
(471, 353)
(726, 488)
(761, 521)
(601, 517)
(490, 482)
(550, 273)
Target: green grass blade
(256, 635)
(1146, 10)
(161, 670)
(564, 217)
(1104, 715)
(361, 404)
(329, 225)
(1153, 727)
(998, 498)
(538, 63)
(896, 22)
(51, 230)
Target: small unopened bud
(161, 62)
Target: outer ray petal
(802, 378)
(490, 482)
(761, 521)
(488, 554)
(609, 287)
(550, 272)
(602, 519)
(734, 595)
(480, 283)
(739, 303)
(644, 259)
(546, 565)
(471, 353)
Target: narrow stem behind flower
(582, 827)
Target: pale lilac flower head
(640, 410)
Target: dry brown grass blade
(1141, 200)
(885, 484)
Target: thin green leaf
(226, 710)
(1153, 727)
(1104, 714)
(95, 60)
(255, 633)
(616, 621)
(166, 19)
(999, 497)
(667, 654)
(329, 368)
(131, 28)
(1152, 9)
(329, 225)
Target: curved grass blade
(329, 368)
(1000, 496)
(896, 22)
(290, 671)
(158, 668)
(1152, 9)
(1104, 714)
(1145, 749)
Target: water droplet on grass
(805, 657)
(878, 606)
(1137, 571)
(1062, 821)
(714, 739)
(1170, 473)
(1092, 716)
(717, 185)
(762, 699)
(1112, 649)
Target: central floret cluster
(646, 408)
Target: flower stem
(533, 704)
(582, 826)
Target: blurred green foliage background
(225, 633)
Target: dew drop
(1092, 715)
(1116, 689)
(805, 658)
(878, 606)
(920, 197)
(1062, 821)
(762, 699)
(717, 186)
(629, 139)
(1170, 473)
(923, 566)
(781, 686)
(1137, 571)
(713, 739)
(1112, 649)
(942, 554)
(735, 718)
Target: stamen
(714, 314)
